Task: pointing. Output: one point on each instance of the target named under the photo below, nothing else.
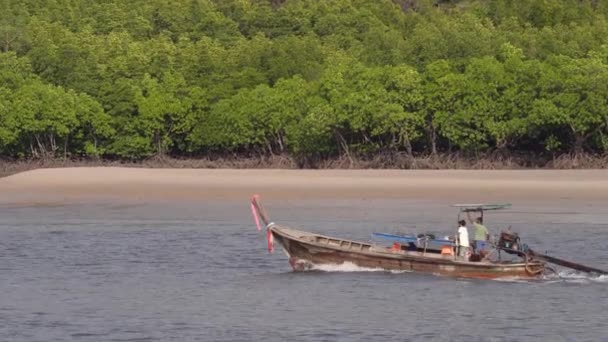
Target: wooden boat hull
(306, 250)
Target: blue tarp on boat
(408, 239)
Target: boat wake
(560, 277)
(349, 267)
(513, 280)
(571, 277)
(575, 278)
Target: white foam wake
(576, 277)
(562, 276)
(513, 279)
(348, 267)
(344, 267)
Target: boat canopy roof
(482, 207)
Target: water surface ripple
(200, 272)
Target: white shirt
(463, 236)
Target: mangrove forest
(309, 80)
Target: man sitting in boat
(463, 239)
(481, 235)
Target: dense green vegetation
(305, 78)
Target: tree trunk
(33, 150)
(280, 142)
(407, 144)
(53, 143)
(65, 148)
(432, 137)
(501, 148)
(159, 144)
(579, 141)
(41, 147)
(394, 144)
(8, 41)
(342, 142)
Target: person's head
(462, 223)
(479, 220)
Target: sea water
(200, 271)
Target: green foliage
(13, 19)
(8, 134)
(574, 97)
(311, 79)
(14, 71)
(44, 116)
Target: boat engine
(509, 242)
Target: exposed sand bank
(98, 183)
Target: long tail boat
(306, 250)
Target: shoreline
(82, 184)
(285, 162)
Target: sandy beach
(99, 183)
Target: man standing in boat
(463, 239)
(481, 236)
